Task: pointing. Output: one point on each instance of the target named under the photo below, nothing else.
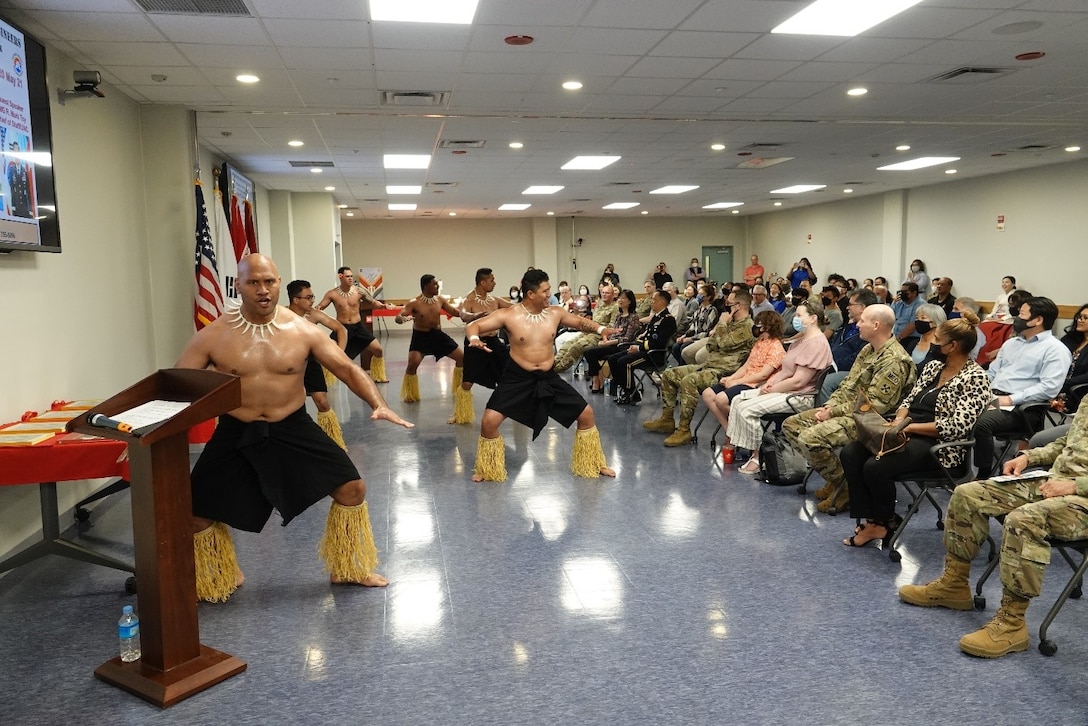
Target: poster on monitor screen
(18, 218)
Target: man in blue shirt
(1030, 368)
(905, 306)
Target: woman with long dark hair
(1075, 338)
(627, 322)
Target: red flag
(208, 301)
(251, 228)
(237, 228)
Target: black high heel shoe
(850, 541)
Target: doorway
(718, 263)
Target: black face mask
(923, 326)
(826, 301)
(935, 353)
(1020, 325)
(756, 331)
(797, 301)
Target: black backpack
(779, 463)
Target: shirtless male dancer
(268, 453)
(300, 301)
(347, 299)
(480, 367)
(425, 312)
(530, 391)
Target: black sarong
(432, 342)
(483, 368)
(532, 397)
(359, 338)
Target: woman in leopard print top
(946, 400)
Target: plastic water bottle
(128, 629)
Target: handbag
(876, 433)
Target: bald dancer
(268, 453)
(484, 368)
(347, 299)
(530, 391)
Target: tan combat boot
(664, 423)
(825, 491)
(951, 590)
(840, 503)
(1006, 633)
(681, 436)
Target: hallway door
(718, 263)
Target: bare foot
(477, 477)
(605, 471)
(451, 420)
(374, 580)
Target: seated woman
(962, 305)
(702, 322)
(692, 298)
(764, 359)
(951, 392)
(776, 298)
(997, 332)
(1000, 312)
(628, 325)
(1075, 338)
(927, 319)
(791, 388)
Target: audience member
(905, 309)
(627, 324)
(777, 299)
(998, 331)
(884, 371)
(1002, 311)
(655, 336)
(829, 296)
(801, 271)
(660, 276)
(572, 345)
(676, 304)
(515, 294)
(927, 319)
(942, 295)
(727, 348)
(882, 295)
(962, 305)
(699, 326)
(797, 298)
(847, 342)
(692, 299)
(643, 307)
(753, 272)
(609, 275)
(949, 395)
(1076, 335)
(917, 275)
(1030, 368)
(760, 303)
(764, 359)
(695, 272)
(1034, 510)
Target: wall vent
(414, 98)
(308, 164)
(195, 7)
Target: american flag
(208, 303)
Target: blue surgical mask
(953, 315)
(797, 324)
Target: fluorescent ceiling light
(1072, 148)
(859, 91)
(842, 17)
(316, 170)
(620, 205)
(454, 12)
(516, 145)
(572, 85)
(402, 207)
(717, 147)
(294, 142)
(406, 161)
(949, 171)
(903, 147)
(513, 207)
(405, 189)
(330, 189)
(722, 205)
(778, 204)
(540, 189)
(246, 78)
(920, 163)
(453, 214)
(589, 163)
(848, 190)
(674, 189)
(644, 212)
(798, 189)
(349, 214)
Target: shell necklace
(429, 300)
(257, 330)
(486, 299)
(535, 318)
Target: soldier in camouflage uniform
(1035, 509)
(643, 306)
(728, 347)
(605, 314)
(885, 371)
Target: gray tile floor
(676, 593)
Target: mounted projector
(86, 86)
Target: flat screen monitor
(28, 206)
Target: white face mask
(915, 268)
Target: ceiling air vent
(307, 164)
(971, 74)
(460, 144)
(442, 184)
(195, 7)
(763, 146)
(414, 98)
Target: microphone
(109, 423)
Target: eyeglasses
(305, 297)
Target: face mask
(915, 268)
(756, 331)
(797, 324)
(923, 326)
(936, 354)
(826, 301)
(797, 301)
(953, 315)
(1020, 325)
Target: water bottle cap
(126, 610)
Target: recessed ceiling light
(920, 163)
(644, 212)
(341, 206)
(589, 163)
(1072, 148)
(349, 214)
(330, 189)
(798, 189)
(949, 171)
(903, 147)
(551, 214)
(518, 39)
(511, 207)
(842, 17)
(295, 142)
(778, 204)
(453, 214)
(572, 85)
(516, 145)
(848, 190)
(406, 161)
(722, 205)
(717, 147)
(674, 189)
(246, 78)
(735, 211)
(402, 207)
(403, 189)
(540, 189)
(316, 170)
(857, 91)
(620, 205)
(452, 12)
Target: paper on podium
(151, 413)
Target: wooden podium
(174, 665)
